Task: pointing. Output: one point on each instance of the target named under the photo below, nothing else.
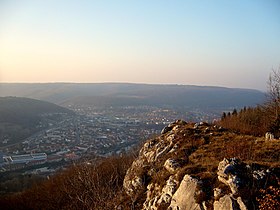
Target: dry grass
(200, 157)
(80, 187)
(99, 186)
(269, 198)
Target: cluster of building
(94, 130)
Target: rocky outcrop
(230, 172)
(230, 203)
(184, 197)
(172, 172)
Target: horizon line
(133, 83)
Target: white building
(27, 158)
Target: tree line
(260, 119)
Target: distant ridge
(135, 94)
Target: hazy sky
(233, 43)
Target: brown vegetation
(83, 186)
(269, 198)
(253, 121)
(198, 153)
(99, 186)
(261, 119)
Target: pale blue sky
(233, 43)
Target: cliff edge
(201, 166)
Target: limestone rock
(172, 126)
(217, 192)
(269, 136)
(228, 172)
(159, 178)
(171, 165)
(166, 129)
(184, 196)
(157, 198)
(227, 202)
(134, 180)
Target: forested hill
(135, 94)
(20, 117)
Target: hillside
(200, 166)
(189, 166)
(21, 117)
(115, 94)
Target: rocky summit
(200, 166)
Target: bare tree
(274, 90)
(273, 104)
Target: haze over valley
(126, 94)
(119, 104)
(106, 118)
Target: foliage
(83, 186)
(269, 198)
(252, 121)
(261, 119)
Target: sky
(231, 43)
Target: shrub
(82, 186)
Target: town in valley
(91, 133)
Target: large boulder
(184, 197)
(230, 172)
(228, 202)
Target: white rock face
(227, 174)
(269, 136)
(227, 202)
(171, 165)
(173, 196)
(157, 198)
(133, 181)
(184, 196)
(158, 176)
